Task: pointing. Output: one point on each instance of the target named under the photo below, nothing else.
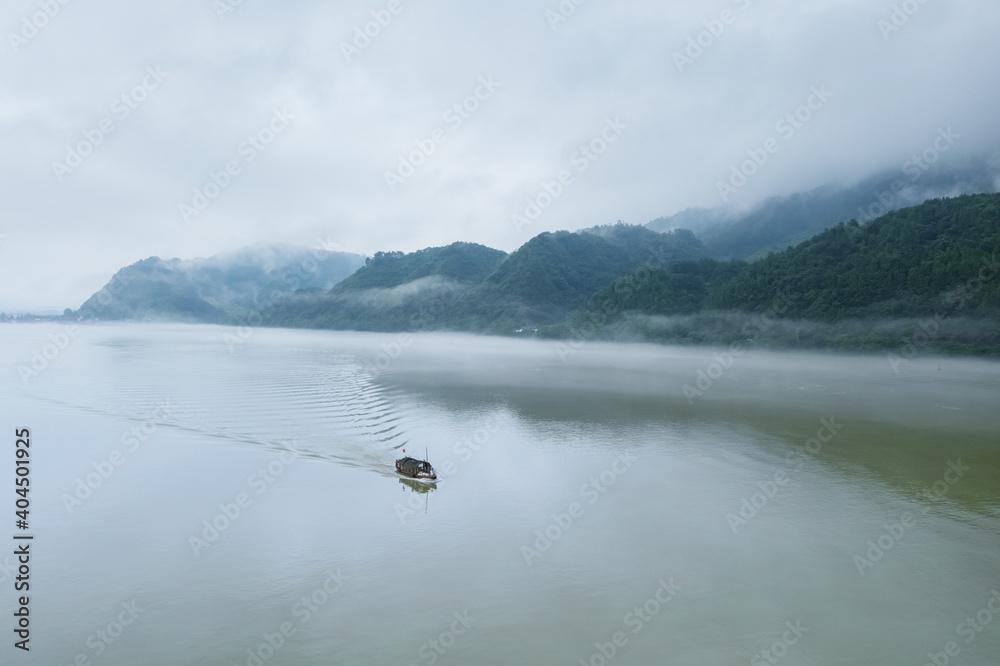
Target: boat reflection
(418, 486)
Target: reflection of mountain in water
(907, 432)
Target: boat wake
(325, 406)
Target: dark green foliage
(939, 259)
(554, 274)
(839, 289)
(680, 288)
(561, 270)
(618, 280)
(906, 263)
(393, 291)
(462, 262)
(471, 288)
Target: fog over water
(823, 508)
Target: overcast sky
(338, 119)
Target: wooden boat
(415, 469)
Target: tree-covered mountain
(853, 286)
(561, 270)
(778, 222)
(216, 289)
(553, 274)
(913, 261)
(392, 292)
(937, 261)
(471, 288)
(681, 288)
(462, 262)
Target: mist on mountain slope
(732, 232)
(216, 288)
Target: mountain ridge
(611, 282)
(214, 289)
(778, 222)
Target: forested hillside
(938, 259)
(471, 288)
(909, 262)
(855, 286)
(463, 262)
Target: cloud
(325, 175)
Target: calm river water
(205, 497)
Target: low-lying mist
(905, 336)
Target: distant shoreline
(906, 338)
